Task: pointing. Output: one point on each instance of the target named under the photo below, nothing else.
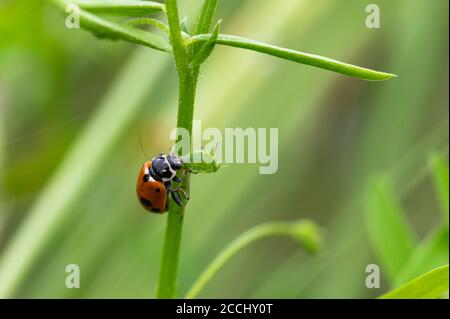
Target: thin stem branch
(305, 232)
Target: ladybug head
(164, 167)
(174, 161)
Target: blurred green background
(73, 107)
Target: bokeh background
(73, 107)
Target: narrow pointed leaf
(389, 231)
(297, 56)
(107, 29)
(432, 285)
(184, 25)
(103, 28)
(206, 16)
(439, 170)
(207, 48)
(204, 20)
(429, 254)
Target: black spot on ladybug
(145, 202)
(158, 190)
(156, 210)
(146, 178)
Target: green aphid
(200, 162)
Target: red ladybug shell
(152, 194)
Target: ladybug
(154, 183)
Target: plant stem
(169, 262)
(305, 232)
(179, 50)
(187, 89)
(172, 241)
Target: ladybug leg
(183, 191)
(176, 197)
(177, 179)
(174, 192)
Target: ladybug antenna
(142, 147)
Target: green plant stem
(179, 50)
(305, 232)
(169, 262)
(188, 78)
(174, 229)
(187, 89)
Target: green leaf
(121, 8)
(204, 21)
(296, 56)
(206, 49)
(107, 29)
(206, 16)
(439, 170)
(184, 25)
(432, 285)
(429, 254)
(103, 28)
(389, 232)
